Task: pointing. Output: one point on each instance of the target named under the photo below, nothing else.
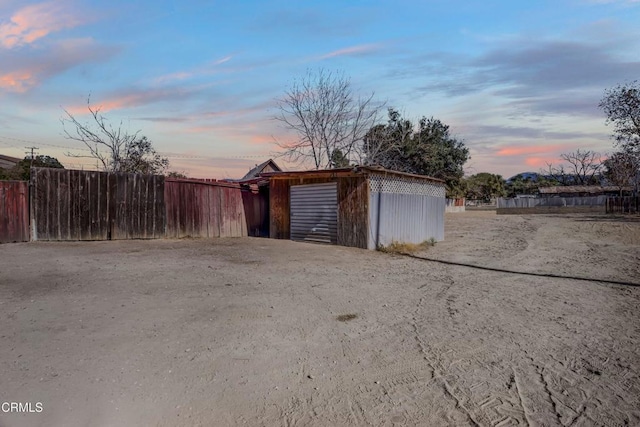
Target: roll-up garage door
(314, 212)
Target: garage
(314, 213)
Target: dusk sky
(519, 82)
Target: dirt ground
(265, 332)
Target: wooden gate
(204, 209)
(89, 205)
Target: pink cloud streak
(353, 50)
(536, 149)
(35, 22)
(540, 162)
(18, 81)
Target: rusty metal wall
(14, 211)
(204, 209)
(90, 205)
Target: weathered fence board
(623, 205)
(204, 209)
(14, 211)
(90, 205)
(138, 211)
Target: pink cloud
(18, 81)
(535, 149)
(261, 139)
(134, 98)
(197, 72)
(353, 50)
(540, 162)
(35, 22)
(24, 72)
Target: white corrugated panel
(405, 210)
(314, 212)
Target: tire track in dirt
(447, 382)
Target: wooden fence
(204, 209)
(14, 211)
(623, 205)
(89, 205)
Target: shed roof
(349, 172)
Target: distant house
(264, 167)
(7, 162)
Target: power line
(43, 143)
(163, 153)
(193, 156)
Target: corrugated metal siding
(404, 218)
(405, 210)
(279, 198)
(314, 212)
(14, 211)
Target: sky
(518, 82)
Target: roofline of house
(347, 172)
(252, 175)
(9, 158)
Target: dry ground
(266, 332)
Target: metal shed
(361, 207)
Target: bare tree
(585, 166)
(581, 168)
(622, 169)
(116, 149)
(557, 174)
(327, 116)
(621, 104)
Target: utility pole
(32, 155)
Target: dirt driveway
(267, 332)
